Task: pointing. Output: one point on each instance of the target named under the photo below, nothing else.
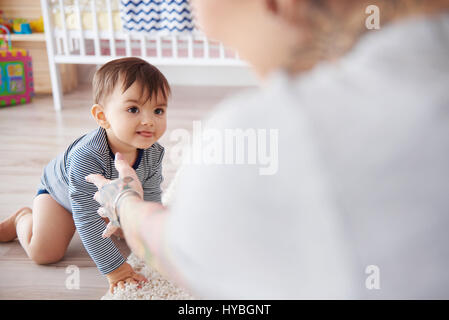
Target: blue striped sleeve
(152, 185)
(90, 226)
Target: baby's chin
(144, 145)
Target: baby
(130, 102)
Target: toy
(37, 25)
(21, 26)
(5, 22)
(16, 81)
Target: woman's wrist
(128, 194)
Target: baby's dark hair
(129, 69)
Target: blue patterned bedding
(163, 16)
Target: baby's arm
(152, 185)
(88, 223)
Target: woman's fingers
(119, 156)
(103, 213)
(97, 179)
(127, 174)
(110, 229)
(97, 196)
(123, 167)
(119, 233)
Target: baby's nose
(148, 120)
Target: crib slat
(128, 45)
(143, 45)
(174, 40)
(158, 46)
(95, 28)
(206, 48)
(113, 52)
(190, 47)
(58, 46)
(222, 51)
(64, 27)
(80, 24)
(71, 45)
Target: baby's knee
(45, 259)
(41, 257)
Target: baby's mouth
(146, 134)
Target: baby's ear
(97, 112)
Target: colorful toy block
(16, 75)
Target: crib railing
(193, 49)
(97, 46)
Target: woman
(357, 206)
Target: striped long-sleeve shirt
(64, 179)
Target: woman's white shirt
(343, 193)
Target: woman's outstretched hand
(109, 190)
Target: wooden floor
(30, 136)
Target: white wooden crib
(90, 32)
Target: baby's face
(134, 123)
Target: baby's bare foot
(8, 226)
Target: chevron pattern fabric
(162, 16)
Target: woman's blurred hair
(334, 26)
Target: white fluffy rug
(157, 287)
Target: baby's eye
(159, 111)
(133, 110)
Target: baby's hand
(123, 274)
